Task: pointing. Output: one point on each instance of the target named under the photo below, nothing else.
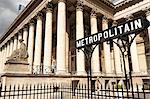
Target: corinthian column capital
(31, 22)
(147, 13)
(49, 7)
(129, 17)
(146, 10)
(39, 15)
(105, 19)
(20, 32)
(79, 5)
(25, 28)
(114, 23)
(93, 13)
(15, 36)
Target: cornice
(122, 3)
(33, 4)
(28, 9)
(108, 3)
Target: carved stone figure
(20, 54)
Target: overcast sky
(8, 12)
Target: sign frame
(131, 27)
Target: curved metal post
(123, 54)
(88, 51)
(126, 45)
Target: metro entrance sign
(114, 32)
(117, 32)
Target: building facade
(49, 28)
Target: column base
(110, 74)
(61, 72)
(47, 71)
(81, 73)
(96, 73)
(139, 73)
(119, 74)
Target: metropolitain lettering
(111, 33)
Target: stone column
(95, 63)
(133, 50)
(107, 58)
(67, 44)
(148, 18)
(134, 56)
(142, 57)
(48, 40)
(31, 44)
(15, 43)
(80, 34)
(67, 52)
(8, 48)
(61, 34)
(1, 62)
(19, 37)
(38, 44)
(25, 35)
(1, 56)
(4, 55)
(11, 46)
(117, 54)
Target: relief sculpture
(20, 54)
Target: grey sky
(8, 12)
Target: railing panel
(65, 91)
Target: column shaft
(4, 55)
(8, 48)
(117, 55)
(1, 56)
(80, 34)
(107, 58)
(61, 34)
(67, 45)
(11, 47)
(15, 43)
(1, 59)
(31, 44)
(25, 35)
(142, 57)
(148, 18)
(117, 58)
(38, 45)
(134, 56)
(19, 37)
(48, 42)
(95, 63)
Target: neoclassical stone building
(49, 28)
